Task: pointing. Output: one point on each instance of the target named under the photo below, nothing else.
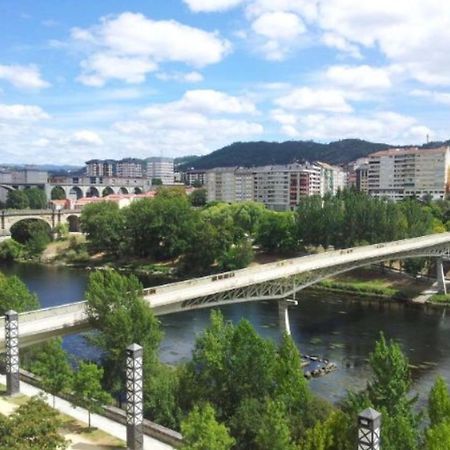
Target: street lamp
(369, 425)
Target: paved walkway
(102, 423)
(426, 294)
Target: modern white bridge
(274, 281)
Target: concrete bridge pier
(283, 314)
(442, 288)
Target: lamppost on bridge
(369, 426)
(12, 352)
(134, 379)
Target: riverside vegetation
(239, 391)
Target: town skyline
(81, 81)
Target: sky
(82, 79)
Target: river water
(324, 324)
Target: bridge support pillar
(283, 315)
(369, 426)
(442, 288)
(12, 352)
(135, 435)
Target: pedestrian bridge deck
(35, 326)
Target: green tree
(34, 425)
(201, 431)
(276, 233)
(87, 389)
(52, 365)
(15, 295)
(11, 250)
(103, 223)
(439, 402)
(273, 431)
(438, 437)
(17, 199)
(238, 256)
(37, 198)
(198, 197)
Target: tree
(201, 431)
(274, 432)
(157, 182)
(11, 250)
(87, 389)
(103, 222)
(238, 256)
(439, 402)
(198, 197)
(17, 199)
(15, 295)
(34, 425)
(276, 233)
(52, 365)
(37, 198)
(34, 234)
(438, 437)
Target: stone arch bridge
(274, 281)
(9, 217)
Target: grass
(440, 298)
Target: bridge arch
(75, 193)
(107, 191)
(73, 222)
(58, 193)
(22, 234)
(92, 191)
(138, 190)
(123, 190)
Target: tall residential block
(409, 172)
(160, 168)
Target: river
(323, 324)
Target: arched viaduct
(53, 218)
(274, 281)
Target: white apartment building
(160, 168)
(409, 172)
(278, 187)
(332, 178)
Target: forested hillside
(248, 154)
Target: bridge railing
(35, 212)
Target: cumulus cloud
(211, 5)
(198, 122)
(359, 77)
(23, 77)
(307, 98)
(434, 96)
(189, 77)
(129, 46)
(384, 126)
(28, 113)
(85, 137)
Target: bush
(11, 250)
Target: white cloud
(359, 77)
(23, 77)
(385, 126)
(130, 45)
(338, 42)
(211, 5)
(189, 77)
(435, 96)
(199, 122)
(28, 113)
(281, 26)
(306, 98)
(85, 137)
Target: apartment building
(160, 168)
(409, 172)
(150, 168)
(362, 178)
(279, 187)
(192, 176)
(332, 178)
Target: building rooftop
(408, 151)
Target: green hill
(248, 154)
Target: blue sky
(82, 79)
